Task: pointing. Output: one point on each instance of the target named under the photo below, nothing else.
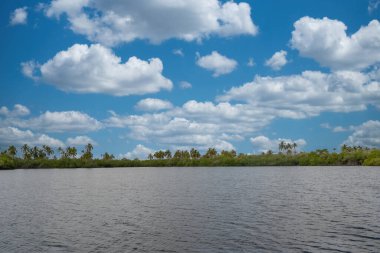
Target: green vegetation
(45, 157)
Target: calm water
(285, 209)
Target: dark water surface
(275, 209)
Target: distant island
(287, 155)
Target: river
(239, 209)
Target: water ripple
(191, 210)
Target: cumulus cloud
(66, 121)
(61, 121)
(326, 41)
(111, 22)
(30, 69)
(185, 85)
(217, 63)
(241, 111)
(308, 94)
(153, 104)
(365, 135)
(194, 124)
(80, 141)
(277, 61)
(17, 128)
(15, 136)
(139, 152)
(18, 110)
(96, 69)
(19, 16)
(170, 131)
(263, 144)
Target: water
(278, 209)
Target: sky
(134, 77)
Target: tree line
(287, 155)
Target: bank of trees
(287, 155)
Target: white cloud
(373, 5)
(325, 125)
(140, 152)
(66, 121)
(327, 42)
(170, 131)
(277, 61)
(195, 124)
(4, 110)
(339, 129)
(185, 85)
(19, 16)
(58, 7)
(30, 69)
(15, 136)
(153, 104)
(217, 63)
(251, 62)
(18, 110)
(225, 117)
(80, 141)
(223, 145)
(365, 135)
(263, 144)
(96, 69)
(111, 22)
(308, 94)
(178, 52)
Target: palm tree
(89, 147)
(211, 153)
(294, 147)
(194, 154)
(289, 147)
(281, 146)
(177, 154)
(168, 154)
(35, 152)
(87, 152)
(48, 150)
(230, 154)
(26, 152)
(107, 156)
(150, 157)
(185, 154)
(159, 154)
(12, 151)
(71, 152)
(41, 154)
(182, 154)
(62, 152)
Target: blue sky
(135, 77)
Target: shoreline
(205, 167)
(349, 156)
